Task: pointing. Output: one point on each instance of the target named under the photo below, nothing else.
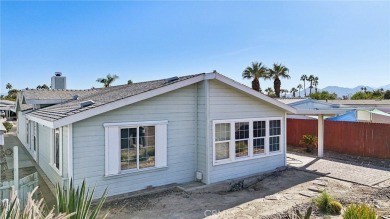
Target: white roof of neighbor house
(107, 99)
(361, 102)
(315, 107)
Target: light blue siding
(45, 146)
(178, 107)
(229, 103)
(201, 130)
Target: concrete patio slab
(339, 170)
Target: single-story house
(7, 109)
(203, 127)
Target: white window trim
(52, 164)
(123, 125)
(251, 156)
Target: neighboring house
(7, 109)
(2, 132)
(203, 127)
(383, 105)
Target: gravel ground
(276, 196)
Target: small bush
(310, 141)
(359, 211)
(8, 126)
(323, 201)
(335, 207)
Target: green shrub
(8, 126)
(323, 201)
(359, 211)
(79, 201)
(335, 207)
(310, 141)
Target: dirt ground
(275, 195)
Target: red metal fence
(355, 138)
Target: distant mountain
(343, 91)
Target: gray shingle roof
(56, 94)
(101, 97)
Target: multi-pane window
(241, 138)
(222, 138)
(137, 147)
(274, 132)
(56, 151)
(259, 132)
(247, 138)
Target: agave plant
(79, 200)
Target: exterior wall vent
(58, 81)
(86, 103)
(171, 79)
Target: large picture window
(236, 140)
(135, 146)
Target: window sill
(55, 169)
(136, 172)
(240, 159)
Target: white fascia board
(40, 121)
(126, 101)
(259, 95)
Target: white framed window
(56, 151)
(35, 136)
(242, 139)
(135, 146)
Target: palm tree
(299, 87)
(311, 79)
(364, 89)
(256, 71)
(278, 71)
(8, 86)
(293, 91)
(269, 91)
(315, 83)
(304, 78)
(108, 80)
(284, 91)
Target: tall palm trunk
(256, 84)
(277, 84)
(304, 87)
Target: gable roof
(107, 99)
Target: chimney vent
(58, 81)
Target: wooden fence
(354, 138)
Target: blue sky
(343, 43)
